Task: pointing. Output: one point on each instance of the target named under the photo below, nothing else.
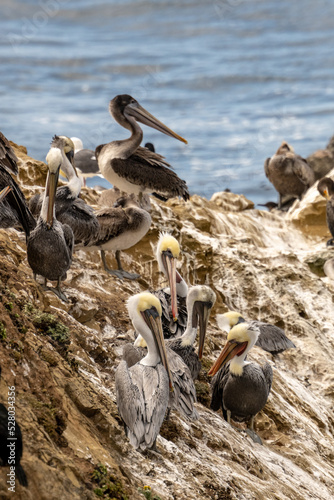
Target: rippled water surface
(233, 77)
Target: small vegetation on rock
(3, 334)
(50, 326)
(109, 486)
(148, 493)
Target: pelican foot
(56, 291)
(254, 437)
(122, 274)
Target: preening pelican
(326, 189)
(200, 300)
(120, 228)
(70, 209)
(289, 173)
(14, 210)
(242, 389)
(50, 244)
(271, 338)
(142, 391)
(173, 298)
(134, 169)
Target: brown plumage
(289, 173)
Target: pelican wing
(272, 338)
(303, 171)
(218, 383)
(266, 167)
(158, 176)
(112, 222)
(188, 354)
(183, 397)
(8, 158)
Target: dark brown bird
(134, 169)
(326, 189)
(289, 173)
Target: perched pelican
(9, 438)
(85, 160)
(134, 169)
(70, 209)
(14, 210)
(50, 244)
(120, 228)
(326, 189)
(243, 389)
(173, 298)
(289, 173)
(142, 391)
(271, 338)
(200, 300)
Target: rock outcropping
(61, 358)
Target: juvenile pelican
(50, 244)
(289, 173)
(326, 189)
(134, 169)
(70, 209)
(119, 228)
(271, 338)
(243, 389)
(142, 391)
(173, 298)
(14, 209)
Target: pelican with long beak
(242, 389)
(50, 244)
(134, 169)
(142, 390)
(271, 338)
(173, 298)
(326, 189)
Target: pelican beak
(203, 313)
(4, 192)
(326, 194)
(231, 349)
(143, 116)
(51, 187)
(170, 266)
(153, 320)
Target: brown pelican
(200, 300)
(11, 438)
(134, 169)
(173, 298)
(120, 228)
(326, 189)
(142, 390)
(50, 244)
(14, 210)
(271, 338)
(289, 173)
(85, 160)
(70, 209)
(241, 390)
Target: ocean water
(233, 77)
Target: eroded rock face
(61, 357)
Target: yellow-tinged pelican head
(200, 300)
(168, 251)
(145, 312)
(123, 108)
(240, 340)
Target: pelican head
(240, 340)
(326, 187)
(124, 108)
(168, 251)
(200, 300)
(227, 320)
(54, 160)
(145, 313)
(4, 192)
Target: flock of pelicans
(157, 372)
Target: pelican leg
(251, 433)
(129, 276)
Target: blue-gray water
(233, 77)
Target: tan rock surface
(256, 263)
